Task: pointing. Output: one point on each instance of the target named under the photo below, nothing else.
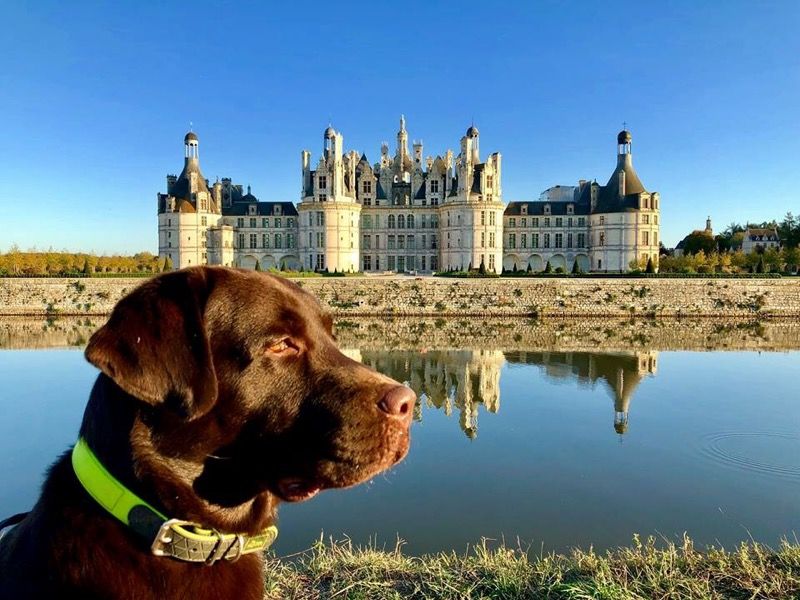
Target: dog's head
(239, 395)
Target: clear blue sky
(95, 99)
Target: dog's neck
(110, 423)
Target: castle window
(323, 182)
(547, 221)
(546, 240)
(491, 218)
(366, 242)
(535, 222)
(512, 222)
(569, 222)
(265, 240)
(602, 241)
(547, 209)
(320, 218)
(569, 240)
(241, 240)
(646, 219)
(483, 217)
(240, 222)
(278, 240)
(310, 241)
(434, 263)
(655, 219)
(559, 240)
(581, 221)
(491, 262)
(277, 222)
(290, 222)
(646, 238)
(524, 240)
(483, 239)
(434, 202)
(401, 222)
(253, 223)
(410, 242)
(367, 263)
(581, 240)
(323, 197)
(367, 187)
(489, 181)
(401, 242)
(422, 266)
(570, 209)
(602, 220)
(169, 234)
(512, 240)
(390, 223)
(559, 222)
(535, 240)
(424, 221)
(392, 263)
(253, 240)
(410, 221)
(523, 222)
(434, 244)
(655, 238)
(367, 201)
(390, 244)
(276, 210)
(434, 186)
(491, 239)
(265, 222)
(289, 240)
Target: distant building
(759, 239)
(219, 225)
(408, 212)
(602, 228)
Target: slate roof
(608, 200)
(536, 209)
(263, 209)
(756, 234)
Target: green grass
(646, 570)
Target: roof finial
(402, 122)
(190, 126)
(248, 189)
(625, 126)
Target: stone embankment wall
(518, 333)
(430, 296)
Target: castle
(409, 213)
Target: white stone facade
(759, 239)
(408, 213)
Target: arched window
(390, 222)
(410, 221)
(401, 221)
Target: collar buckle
(165, 537)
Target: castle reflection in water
(463, 380)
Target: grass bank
(644, 570)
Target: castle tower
(624, 219)
(329, 212)
(187, 210)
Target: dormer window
(524, 209)
(547, 209)
(570, 209)
(323, 182)
(276, 209)
(252, 208)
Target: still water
(554, 449)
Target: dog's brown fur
(203, 412)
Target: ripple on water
(772, 453)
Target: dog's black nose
(398, 402)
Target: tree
(760, 264)
(515, 267)
(576, 268)
(548, 268)
(698, 241)
(258, 265)
(529, 269)
(650, 268)
(168, 264)
(791, 258)
(482, 269)
(87, 270)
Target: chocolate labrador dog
(222, 394)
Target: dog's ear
(155, 345)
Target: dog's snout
(398, 402)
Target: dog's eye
(282, 346)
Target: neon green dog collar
(179, 539)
